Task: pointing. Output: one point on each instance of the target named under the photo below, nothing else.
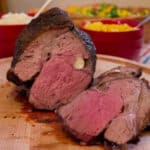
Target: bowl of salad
(110, 11)
(105, 10)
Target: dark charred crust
(147, 83)
(89, 46)
(138, 73)
(148, 127)
(52, 19)
(11, 76)
(112, 146)
(135, 140)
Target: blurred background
(25, 5)
(140, 6)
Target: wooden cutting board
(22, 128)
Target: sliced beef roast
(60, 56)
(56, 61)
(98, 105)
(52, 33)
(134, 118)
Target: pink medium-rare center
(58, 83)
(96, 107)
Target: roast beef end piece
(91, 111)
(134, 118)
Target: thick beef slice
(97, 107)
(101, 104)
(88, 114)
(134, 118)
(58, 83)
(43, 38)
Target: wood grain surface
(22, 128)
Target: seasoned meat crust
(52, 19)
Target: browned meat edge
(52, 19)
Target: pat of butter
(79, 63)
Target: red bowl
(122, 44)
(8, 36)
